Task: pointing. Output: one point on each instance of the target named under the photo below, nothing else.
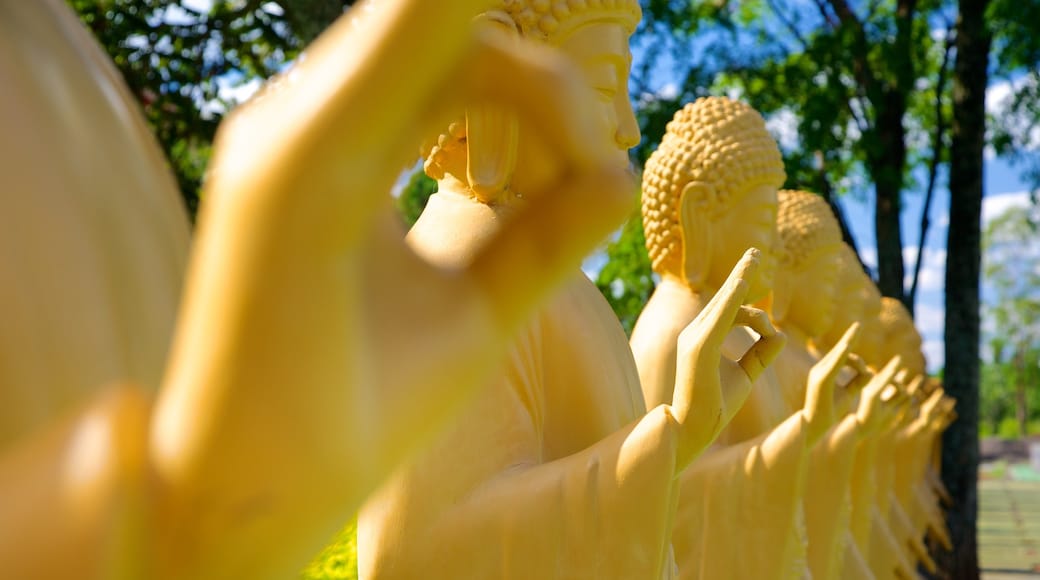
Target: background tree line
(876, 99)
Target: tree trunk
(1021, 402)
(963, 243)
(889, 161)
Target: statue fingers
(755, 319)
(863, 373)
(736, 385)
(714, 323)
(762, 354)
(882, 379)
(824, 373)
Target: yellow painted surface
(280, 395)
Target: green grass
(338, 561)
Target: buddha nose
(627, 134)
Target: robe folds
(554, 470)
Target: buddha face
(601, 52)
(851, 310)
(813, 297)
(749, 222)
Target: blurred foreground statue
(557, 470)
(313, 349)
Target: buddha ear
(491, 131)
(695, 231)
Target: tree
(180, 61)
(864, 83)
(414, 196)
(627, 280)
(1012, 272)
(960, 459)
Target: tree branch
(788, 24)
(826, 190)
(933, 166)
(860, 65)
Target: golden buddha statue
(803, 307)
(901, 336)
(849, 278)
(557, 469)
(313, 349)
(709, 192)
(803, 303)
(896, 536)
(912, 453)
(869, 346)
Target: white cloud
(869, 257)
(929, 319)
(198, 5)
(998, 93)
(994, 205)
(933, 268)
(668, 91)
(238, 93)
(934, 354)
(783, 126)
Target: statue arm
(709, 387)
(607, 510)
(261, 424)
(497, 508)
(271, 415)
(66, 483)
(728, 487)
(654, 346)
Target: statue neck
(795, 335)
(680, 291)
(470, 222)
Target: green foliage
(1008, 428)
(414, 196)
(1010, 388)
(996, 400)
(179, 62)
(338, 561)
(626, 280)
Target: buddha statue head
(851, 295)
(709, 193)
(900, 335)
(487, 154)
(807, 274)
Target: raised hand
(819, 392)
(871, 413)
(861, 374)
(315, 349)
(710, 388)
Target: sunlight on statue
(804, 306)
(313, 348)
(557, 470)
(709, 193)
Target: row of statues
(218, 410)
